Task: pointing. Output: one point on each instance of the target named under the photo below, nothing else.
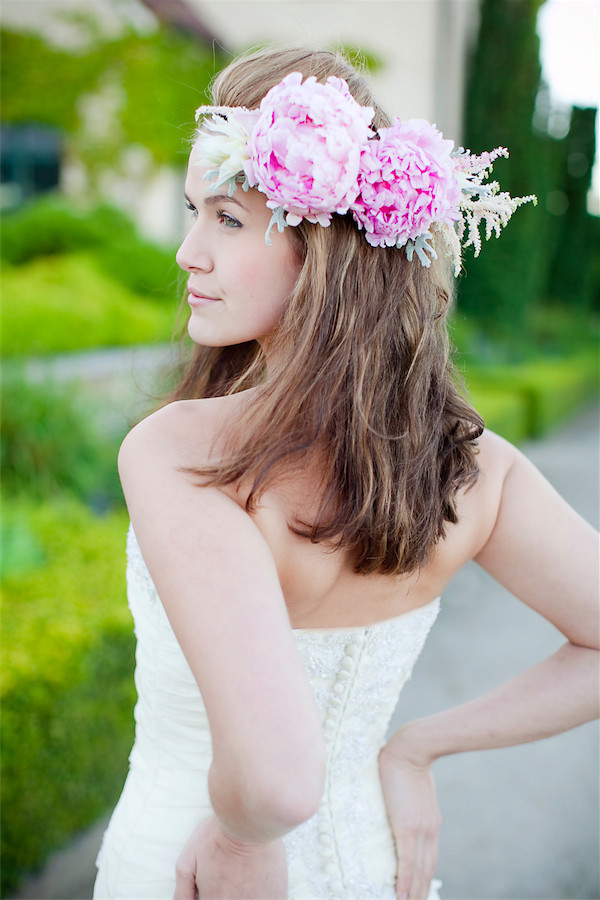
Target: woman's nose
(193, 252)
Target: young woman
(299, 507)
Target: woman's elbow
(289, 773)
(290, 792)
(298, 795)
(271, 798)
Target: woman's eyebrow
(211, 199)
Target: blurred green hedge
(67, 692)
(67, 303)
(527, 400)
(77, 278)
(53, 225)
(51, 443)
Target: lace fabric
(346, 849)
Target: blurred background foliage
(77, 275)
(548, 256)
(67, 687)
(155, 82)
(81, 277)
(52, 445)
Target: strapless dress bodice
(346, 849)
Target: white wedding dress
(346, 849)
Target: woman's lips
(197, 299)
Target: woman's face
(238, 285)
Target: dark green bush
(67, 690)
(502, 85)
(54, 226)
(144, 268)
(50, 443)
(575, 269)
(554, 332)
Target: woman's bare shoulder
(184, 432)
(478, 505)
(500, 465)
(495, 457)
(160, 458)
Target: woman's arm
(219, 587)
(542, 551)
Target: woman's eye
(228, 221)
(191, 208)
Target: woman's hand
(410, 799)
(213, 866)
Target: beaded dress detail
(345, 850)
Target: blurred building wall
(423, 44)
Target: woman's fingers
(406, 846)
(417, 860)
(185, 880)
(409, 794)
(214, 866)
(425, 862)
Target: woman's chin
(204, 338)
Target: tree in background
(503, 288)
(503, 82)
(575, 270)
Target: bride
(300, 505)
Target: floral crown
(310, 149)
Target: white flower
(222, 143)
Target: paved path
(518, 823)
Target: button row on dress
(331, 722)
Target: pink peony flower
(407, 182)
(305, 150)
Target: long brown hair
(367, 383)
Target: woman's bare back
(319, 584)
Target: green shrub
(144, 268)
(554, 332)
(566, 331)
(50, 443)
(63, 303)
(503, 411)
(545, 391)
(67, 691)
(54, 226)
(51, 225)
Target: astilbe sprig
(495, 209)
(481, 202)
